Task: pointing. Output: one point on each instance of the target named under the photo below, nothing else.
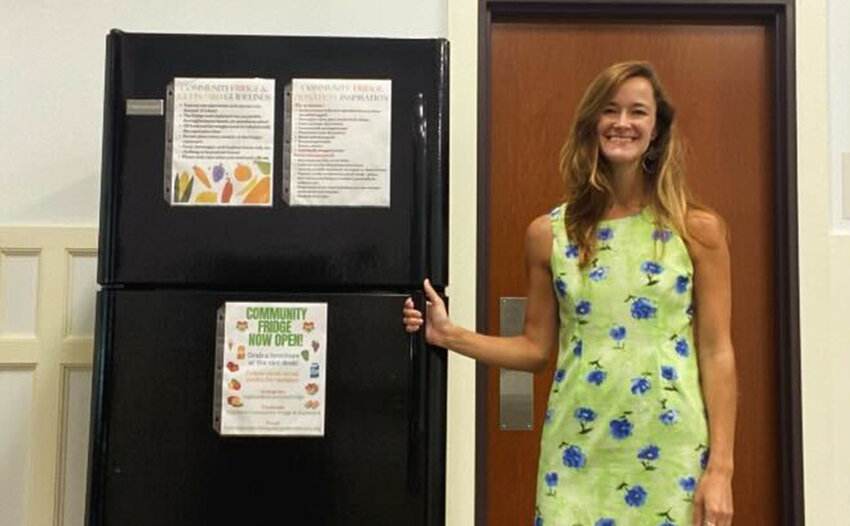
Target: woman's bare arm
(713, 299)
(528, 351)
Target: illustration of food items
(308, 326)
(253, 185)
(232, 367)
(242, 325)
(234, 384)
(315, 346)
(311, 404)
(311, 388)
(240, 352)
(235, 401)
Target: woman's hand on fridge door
(437, 323)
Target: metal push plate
(516, 388)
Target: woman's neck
(628, 185)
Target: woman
(621, 277)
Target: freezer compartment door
(156, 459)
(147, 240)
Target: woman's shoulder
(706, 228)
(540, 229)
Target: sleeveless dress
(625, 436)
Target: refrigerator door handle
(417, 405)
(421, 201)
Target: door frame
(778, 17)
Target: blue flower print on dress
(560, 374)
(690, 310)
(651, 268)
(704, 456)
(647, 455)
(574, 457)
(598, 274)
(551, 480)
(561, 287)
(596, 376)
(669, 373)
(689, 484)
(605, 522)
(620, 428)
(635, 496)
(662, 234)
(682, 283)
(642, 308)
(577, 348)
(650, 452)
(640, 385)
(582, 310)
(669, 417)
(571, 252)
(682, 348)
(606, 234)
(547, 419)
(618, 334)
(538, 519)
(585, 415)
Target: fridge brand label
(268, 361)
(220, 142)
(337, 142)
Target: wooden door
(719, 79)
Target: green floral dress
(625, 435)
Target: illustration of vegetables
(315, 345)
(311, 388)
(248, 187)
(232, 367)
(234, 384)
(305, 354)
(202, 176)
(260, 193)
(242, 325)
(217, 172)
(183, 187)
(308, 326)
(206, 197)
(243, 173)
(227, 192)
(240, 352)
(235, 401)
(264, 167)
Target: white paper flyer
(337, 142)
(271, 369)
(222, 142)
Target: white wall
(52, 63)
(824, 256)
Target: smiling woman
(619, 276)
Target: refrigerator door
(155, 458)
(145, 240)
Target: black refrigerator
(164, 270)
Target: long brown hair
(587, 175)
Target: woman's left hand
(713, 500)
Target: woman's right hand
(437, 325)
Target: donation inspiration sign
(271, 369)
